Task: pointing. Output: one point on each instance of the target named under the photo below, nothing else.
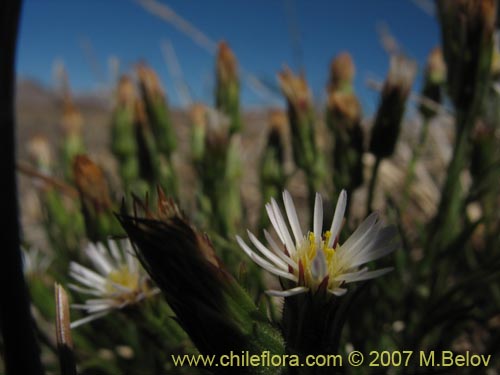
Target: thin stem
(373, 182)
(446, 223)
(446, 226)
(412, 165)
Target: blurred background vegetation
(224, 133)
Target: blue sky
(258, 31)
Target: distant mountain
(33, 93)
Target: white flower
(118, 280)
(317, 258)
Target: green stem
(373, 182)
(446, 223)
(412, 165)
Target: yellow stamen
(329, 253)
(124, 277)
(327, 236)
(312, 246)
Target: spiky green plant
(96, 203)
(343, 118)
(123, 140)
(227, 89)
(210, 305)
(467, 28)
(387, 126)
(301, 116)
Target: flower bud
(301, 117)
(209, 304)
(467, 28)
(227, 90)
(71, 120)
(95, 199)
(125, 93)
(227, 66)
(392, 106)
(434, 79)
(342, 73)
(157, 110)
(123, 140)
(198, 131)
(344, 120)
(146, 146)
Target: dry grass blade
(175, 70)
(168, 15)
(63, 333)
(426, 6)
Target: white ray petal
(263, 263)
(92, 292)
(131, 262)
(100, 301)
(270, 214)
(101, 287)
(338, 217)
(86, 276)
(292, 217)
(89, 307)
(98, 259)
(278, 251)
(362, 230)
(318, 218)
(288, 292)
(363, 245)
(365, 275)
(130, 256)
(364, 233)
(100, 308)
(338, 291)
(348, 275)
(87, 319)
(154, 292)
(375, 254)
(115, 252)
(282, 225)
(267, 253)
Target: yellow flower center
(124, 277)
(306, 254)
